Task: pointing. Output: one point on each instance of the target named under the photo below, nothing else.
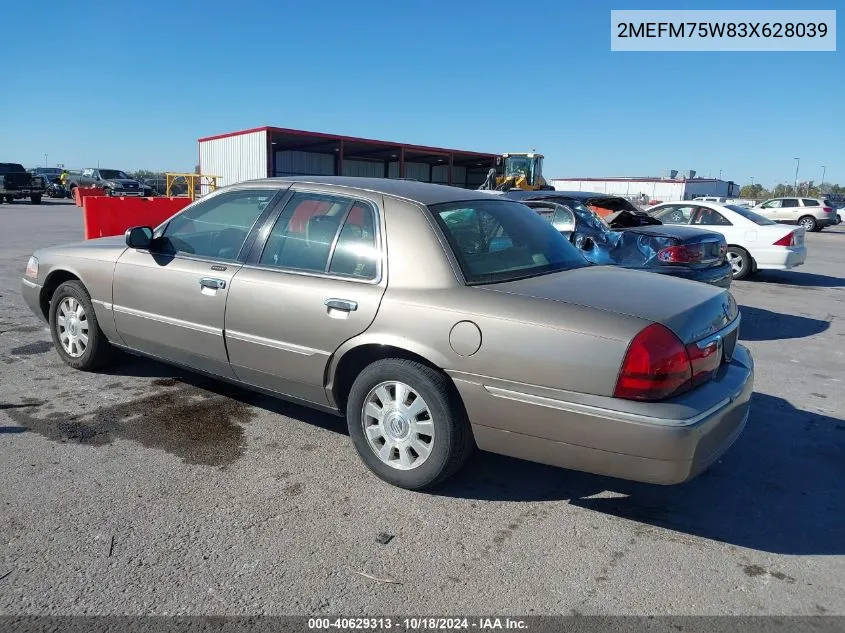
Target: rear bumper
(659, 443)
(720, 276)
(21, 193)
(779, 258)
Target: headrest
(321, 228)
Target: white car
(754, 242)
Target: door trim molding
(198, 327)
(274, 343)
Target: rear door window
(710, 217)
(809, 202)
(675, 214)
(324, 234)
(789, 202)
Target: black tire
(71, 193)
(809, 223)
(98, 351)
(35, 199)
(746, 264)
(10, 200)
(453, 442)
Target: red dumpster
(105, 215)
(80, 193)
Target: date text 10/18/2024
(418, 623)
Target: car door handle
(212, 283)
(341, 304)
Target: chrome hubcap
(807, 224)
(735, 260)
(398, 425)
(72, 327)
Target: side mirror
(139, 237)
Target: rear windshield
(749, 215)
(111, 174)
(500, 240)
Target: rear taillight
(656, 366)
(786, 240)
(827, 210)
(684, 254)
(704, 360)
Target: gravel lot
(225, 502)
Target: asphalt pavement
(148, 490)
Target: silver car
(435, 319)
(813, 214)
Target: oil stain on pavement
(199, 426)
(39, 347)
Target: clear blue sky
(134, 84)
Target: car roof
(423, 192)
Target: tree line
(810, 190)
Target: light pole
(797, 164)
(45, 160)
(821, 182)
(720, 174)
(752, 181)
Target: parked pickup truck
(16, 183)
(113, 181)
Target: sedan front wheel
(407, 423)
(74, 328)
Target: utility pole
(797, 165)
(821, 182)
(720, 174)
(752, 181)
(45, 160)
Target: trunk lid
(690, 309)
(713, 245)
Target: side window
(564, 215)
(218, 227)
(356, 253)
(810, 203)
(710, 217)
(771, 204)
(790, 202)
(674, 214)
(324, 233)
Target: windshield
(500, 240)
(112, 174)
(516, 165)
(749, 215)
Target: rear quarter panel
(522, 339)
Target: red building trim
(349, 139)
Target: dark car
(610, 230)
(52, 181)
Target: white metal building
(270, 151)
(661, 189)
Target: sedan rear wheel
(407, 423)
(740, 262)
(808, 222)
